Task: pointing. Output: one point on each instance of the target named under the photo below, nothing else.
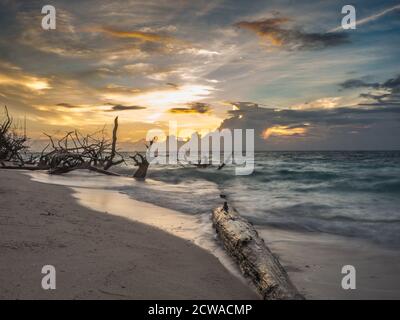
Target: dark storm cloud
(357, 83)
(292, 38)
(195, 107)
(338, 128)
(288, 117)
(389, 98)
(391, 84)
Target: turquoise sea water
(346, 193)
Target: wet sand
(314, 262)
(98, 255)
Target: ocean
(346, 193)
(316, 211)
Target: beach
(107, 244)
(314, 263)
(97, 255)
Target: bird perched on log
(225, 207)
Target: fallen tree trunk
(255, 260)
(83, 166)
(23, 168)
(59, 170)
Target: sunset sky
(283, 68)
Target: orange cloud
(292, 37)
(268, 28)
(195, 107)
(283, 131)
(140, 35)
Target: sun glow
(32, 83)
(164, 98)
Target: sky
(283, 68)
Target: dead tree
(12, 145)
(76, 151)
(141, 161)
(109, 160)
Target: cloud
(291, 131)
(66, 41)
(67, 105)
(372, 127)
(291, 38)
(386, 93)
(168, 28)
(11, 75)
(173, 85)
(160, 98)
(370, 18)
(114, 107)
(357, 83)
(120, 107)
(158, 41)
(141, 35)
(138, 67)
(143, 59)
(322, 103)
(200, 52)
(195, 107)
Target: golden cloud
(140, 35)
(195, 107)
(31, 82)
(283, 131)
(292, 37)
(268, 28)
(322, 103)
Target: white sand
(98, 255)
(91, 191)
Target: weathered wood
(84, 166)
(141, 162)
(30, 168)
(254, 258)
(109, 163)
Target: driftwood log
(141, 161)
(22, 167)
(255, 260)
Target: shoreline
(314, 263)
(93, 195)
(312, 260)
(97, 255)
